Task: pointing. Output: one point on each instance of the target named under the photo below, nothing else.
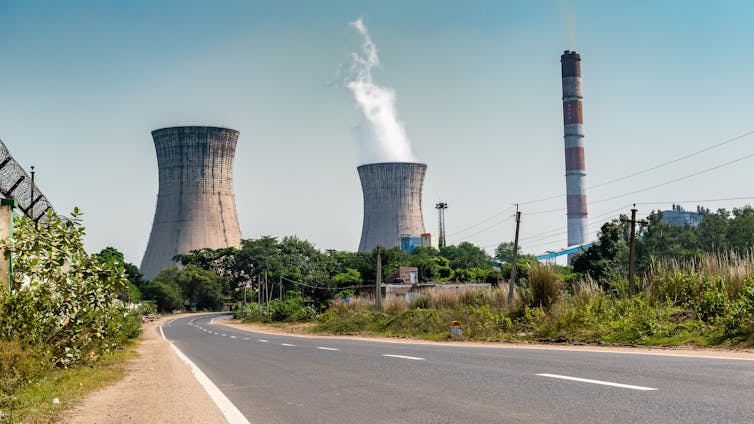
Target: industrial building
(573, 134)
(680, 216)
(195, 204)
(392, 204)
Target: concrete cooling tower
(392, 203)
(195, 203)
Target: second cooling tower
(195, 205)
(392, 203)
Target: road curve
(289, 379)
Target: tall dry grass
(496, 297)
(668, 276)
(546, 285)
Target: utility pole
(512, 282)
(378, 282)
(259, 289)
(441, 206)
(632, 252)
(31, 200)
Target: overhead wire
(675, 180)
(481, 222)
(634, 174)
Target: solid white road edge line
(603, 383)
(522, 347)
(414, 358)
(327, 348)
(229, 411)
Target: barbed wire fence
(16, 184)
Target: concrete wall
(392, 203)
(195, 205)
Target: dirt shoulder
(302, 330)
(158, 388)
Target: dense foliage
(685, 307)
(266, 268)
(190, 287)
(64, 301)
(719, 233)
(63, 309)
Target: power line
(695, 201)
(634, 174)
(670, 162)
(675, 180)
(486, 228)
(481, 222)
(591, 219)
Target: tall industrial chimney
(195, 203)
(392, 203)
(573, 133)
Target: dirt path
(158, 388)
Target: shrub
(293, 308)
(19, 365)
(545, 285)
(64, 299)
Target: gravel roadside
(158, 388)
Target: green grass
(33, 401)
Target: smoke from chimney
(381, 135)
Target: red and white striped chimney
(573, 133)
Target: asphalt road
(288, 379)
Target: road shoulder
(158, 388)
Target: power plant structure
(392, 203)
(573, 134)
(195, 204)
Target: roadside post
(6, 233)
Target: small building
(427, 240)
(404, 275)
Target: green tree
(223, 262)
(604, 260)
(661, 240)
(174, 288)
(741, 230)
(466, 255)
(135, 278)
(165, 291)
(712, 231)
(504, 251)
(350, 277)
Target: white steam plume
(382, 136)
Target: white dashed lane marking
(262, 341)
(603, 383)
(326, 348)
(287, 344)
(413, 358)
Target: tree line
(269, 268)
(723, 233)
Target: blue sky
(82, 84)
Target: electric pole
(632, 252)
(31, 200)
(441, 206)
(378, 282)
(512, 282)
